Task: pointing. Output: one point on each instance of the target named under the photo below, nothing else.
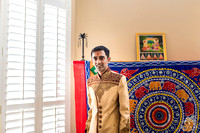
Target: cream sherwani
(108, 100)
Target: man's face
(100, 61)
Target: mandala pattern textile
(164, 96)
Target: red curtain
(80, 95)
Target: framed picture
(151, 46)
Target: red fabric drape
(80, 95)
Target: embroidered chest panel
(104, 84)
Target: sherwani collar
(105, 74)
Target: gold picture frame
(151, 46)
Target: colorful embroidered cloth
(164, 95)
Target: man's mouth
(98, 66)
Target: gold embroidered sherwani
(108, 100)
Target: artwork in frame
(151, 46)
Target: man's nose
(98, 60)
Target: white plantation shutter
(20, 70)
(21, 53)
(20, 121)
(54, 69)
(31, 105)
(54, 54)
(53, 119)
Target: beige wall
(114, 23)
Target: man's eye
(94, 58)
(101, 58)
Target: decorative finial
(82, 37)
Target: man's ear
(109, 58)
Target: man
(108, 97)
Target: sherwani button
(100, 126)
(100, 121)
(100, 107)
(100, 111)
(100, 116)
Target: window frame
(39, 67)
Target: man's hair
(99, 48)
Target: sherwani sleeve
(89, 112)
(124, 106)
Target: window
(35, 65)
